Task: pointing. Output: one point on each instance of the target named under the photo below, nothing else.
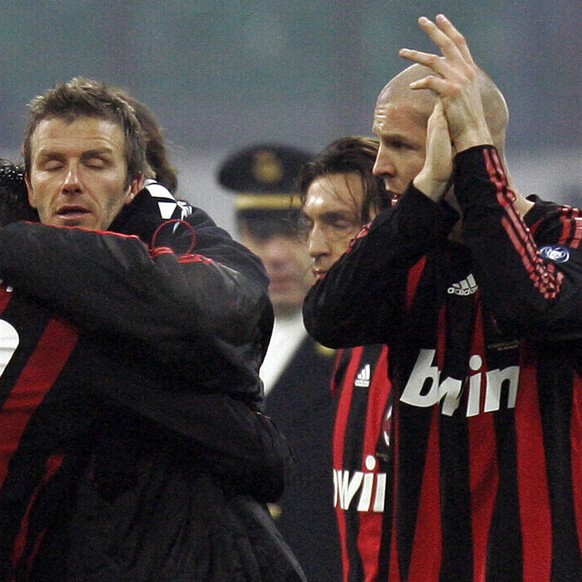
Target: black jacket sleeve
(179, 309)
(529, 269)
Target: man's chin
(88, 222)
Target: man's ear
(31, 196)
(135, 187)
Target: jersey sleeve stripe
(545, 277)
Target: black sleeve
(180, 309)
(158, 219)
(215, 433)
(531, 281)
(361, 298)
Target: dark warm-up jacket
(485, 338)
(130, 445)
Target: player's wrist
(431, 186)
(473, 137)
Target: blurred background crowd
(220, 75)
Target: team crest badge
(555, 253)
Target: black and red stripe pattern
(36, 349)
(485, 352)
(361, 458)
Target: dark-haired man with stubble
(339, 196)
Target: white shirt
(288, 333)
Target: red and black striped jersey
(361, 460)
(485, 343)
(109, 351)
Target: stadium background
(221, 75)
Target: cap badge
(267, 168)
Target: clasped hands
(458, 120)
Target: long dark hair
(351, 154)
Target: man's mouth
(72, 212)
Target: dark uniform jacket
(302, 407)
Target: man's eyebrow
(336, 215)
(391, 138)
(57, 154)
(49, 154)
(105, 150)
(399, 135)
(384, 134)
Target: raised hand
(455, 81)
(435, 176)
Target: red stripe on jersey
(52, 466)
(512, 224)
(370, 524)
(484, 470)
(341, 422)
(42, 369)
(364, 231)
(394, 575)
(425, 563)
(412, 282)
(187, 259)
(534, 496)
(577, 236)
(567, 228)
(184, 259)
(546, 279)
(571, 228)
(576, 445)
(523, 248)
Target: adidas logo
(363, 377)
(464, 287)
(167, 204)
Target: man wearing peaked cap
(267, 207)
(263, 169)
(296, 371)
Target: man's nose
(72, 182)
(316, 242)
(383, 165)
